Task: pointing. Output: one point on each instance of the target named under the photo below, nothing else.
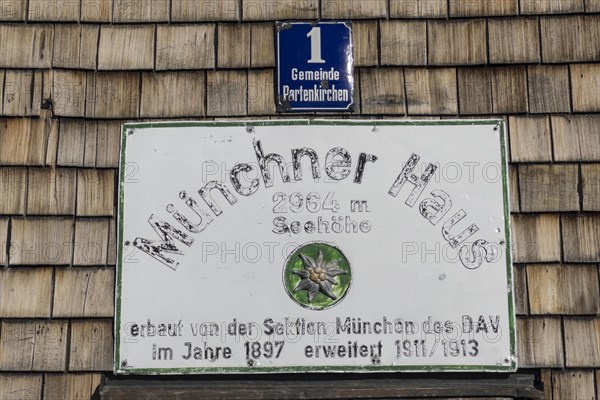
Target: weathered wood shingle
(572, 384)
(431, 91)
(585, 79)
(91, 135)
(546, 377)
(141, 10)
(233, 46)
(113, 95)
(570, 38)
(75, 46)
(535, 238)
(475, 91)
(126, 47)
(530, 139)
(418, 9)
(581, 235)
(227, 93)
(457, 42)
(96, 11)
(41, 241)
(91, 241)
(261, 92)
(582, 342)
(590, 188)
(365, 43)
(95, 192)
(173, 94)
(14, 10)
(4, 222)
(342, 9)
(383, 91)
(52, 127)
(33, 345)
(549, 187)
(357, 93)
(112, 242)
(108, 144)
(576, 137)
(71, 143)
(22, 141)
(91, 345)
(549, 90)
(83, 292)
(53, 10)
(513, 183)
(509, 90)
(539, 342)
(185, 46)
(266, 10)
(563, 289)
(592, 6)
(476, 8)
(51, 191)
(69, 92)
(38, 39)
(262, 42)
(520, 290)
(25, 292)
(205, 10)
(514, 40)
(13, 187)
(22, 93)
(403, 42)
(20, 386)
(70, 386)
(550, 6)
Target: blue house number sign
(314, 66)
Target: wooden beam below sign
(323, 387)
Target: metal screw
(250, 362)
(374, 129)
(130, 132)
(123, 363)
(375, 360)
(250, 129)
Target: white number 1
(315, 46)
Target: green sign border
(120, 367)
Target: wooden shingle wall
(71, 71)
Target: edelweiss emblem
(318, 276)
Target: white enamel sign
(322, 246)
